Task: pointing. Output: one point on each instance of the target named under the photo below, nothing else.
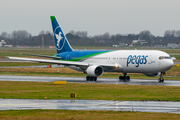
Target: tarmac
(143, 106)
(83, 80)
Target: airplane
(95, 62)
(138, 42)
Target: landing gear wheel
(95, 78)
(128, 78)
(161, 80)
(120, 77)
(91, 78)
(88, 78)
(124, 78)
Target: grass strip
(83, 115)
(90, 91)
(10, 64)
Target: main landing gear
(161, 79)
(88, 78)
(124, 78)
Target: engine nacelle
(94, 71)
(152, 74)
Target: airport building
(2, 43)
(173, 45)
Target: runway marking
(113, 103)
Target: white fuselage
(134, 61)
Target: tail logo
(60, 40)
(58, 37)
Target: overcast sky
(94, 16)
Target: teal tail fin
(62, 44)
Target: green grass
(10, 64)
(83, 115)
(44, 74)
(38, 90)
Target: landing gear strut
(124, 78)
(88, 78)
(161, 79)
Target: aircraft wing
(60, 62)
(41, 56)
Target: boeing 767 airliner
(95, 62)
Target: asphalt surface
(83, 80)
(143, 106)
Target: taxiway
(83, 80)
(143, 106)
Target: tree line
(81, 38)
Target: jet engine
(152, 74)
(94, 71)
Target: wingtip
(52, 18)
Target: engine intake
(94, 71)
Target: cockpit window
(164, 57)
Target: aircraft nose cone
(169, 64)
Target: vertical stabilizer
(62, 44)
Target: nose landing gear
(161, 79)
(124, 78)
